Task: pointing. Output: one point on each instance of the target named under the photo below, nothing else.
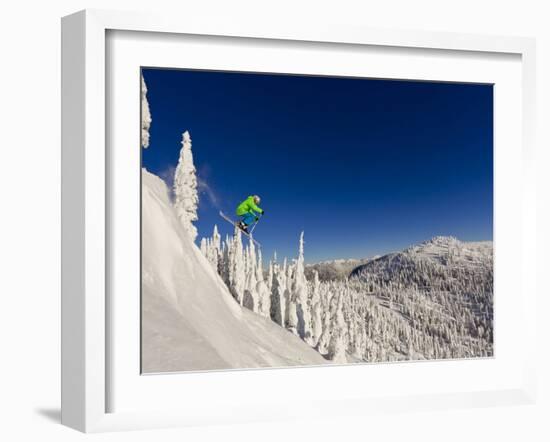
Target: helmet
(257, 199)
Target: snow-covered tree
(224, 267)
(337, 346)
(317, 311)
(278, 288)
(237, 276)
(262, 289)
(145, 115)
(251, 300)
(269, 280)
(211, 249)
(291, 308)
(185, 188)
(216, 238)
(300, 295)
(215, 252)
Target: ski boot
(243, 227)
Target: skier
(248, 210)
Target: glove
(262, 212)
(257, 218)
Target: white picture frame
(86, 204)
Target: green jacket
(248, 206)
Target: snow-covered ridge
(437, 248)
(439, 251)
(190, 320)
(440, 245)
(337, 269)
(340, 261)
(442, 288)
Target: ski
(229, 220)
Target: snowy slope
(190, 321)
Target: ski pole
(253, 227)
(255, 224)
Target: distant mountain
(440, 255)
(337, 269)
(440, 290)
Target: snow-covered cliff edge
(190, 321)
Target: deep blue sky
(363, 166)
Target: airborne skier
(248, 211)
